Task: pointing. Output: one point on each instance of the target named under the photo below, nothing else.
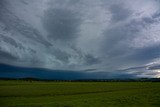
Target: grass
(15, 93)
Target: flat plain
(19, 93)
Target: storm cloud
(61, 24)
(112, 37)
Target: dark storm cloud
(68, 3)
(11, 41)
(5, 56)
(8, 71)
(154, 67)
(119, 12)
(116, 39)
(142, 71)
(96, 35)
(156, 15)
(61, 24)
(61, 55)
(90, 59)
(145, 54)
(116, 46)
(24, 1)
(12, 22)
(113, 38)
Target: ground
(20, 93)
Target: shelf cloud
(83, 35)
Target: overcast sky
(116, 36)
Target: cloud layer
(97, 35)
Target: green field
(79, 94)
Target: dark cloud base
(8, 71)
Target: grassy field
(79, 94)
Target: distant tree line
(88, 80)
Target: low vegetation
(24, 93)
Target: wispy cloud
(96, 35)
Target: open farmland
(79, 94)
